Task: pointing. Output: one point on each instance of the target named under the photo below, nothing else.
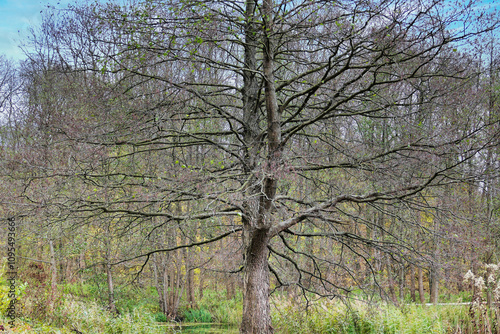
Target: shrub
(160, 317)
(197, 315)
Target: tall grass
(363, 318)
(222, 310)
(90, 318)
(197, 315)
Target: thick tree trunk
(256, 308)
(257, 220)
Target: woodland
(162, 153)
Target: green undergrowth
(127, 298)
(74, 316)
(77, 309)
(363, 318)
(197, 315)
(219, 307)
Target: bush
(197, 315)
(160, 317)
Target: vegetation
(234, 161)
(323, 316)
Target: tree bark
(189, 277)
(201, 286)
(421, 285)
(256, 307)
(230, 288)
(257, 218)
(412, 284)
(402, 284)
(53, 267)
(158, 285)
(434, 285)
(111, 290)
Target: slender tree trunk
(412, 284)
(201, 286)
(189, 277)
(111, 290)
(434, 284)
(390, 282)
(421, 285)
(53, 268)
(81, 264)
(230, 288)
(256, 307)
(158, 285)
(190, 288)
(62, 271)
(166, 282)
(402, 275)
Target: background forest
(168, 160)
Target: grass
(90, 318)
(288, 317)
(221, 309)
(362, 318)
(198, 315)
(75, 309)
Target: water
(197, 328)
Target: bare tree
(285, 116)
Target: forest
(272, 166)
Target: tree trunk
(412, 284)
(402, 284)
(230, 288)
(62, 271)
(421, 285)
(434, 285)
(158, 285)
(391, 283)
(189, 276)
(165, 285)
(201, 286)
(190, 288)
(53, 268)
(257, 220)
(111, 290)
(81, 264)
(256, 307)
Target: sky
(16, 16)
